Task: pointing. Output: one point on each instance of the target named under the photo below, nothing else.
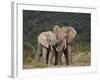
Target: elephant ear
(43, 39)
(70, 32)
(60, 33)
(56, 29)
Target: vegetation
(35, 22)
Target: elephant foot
(49, 65)
(67, 63)
(60, 63)
(55, 64)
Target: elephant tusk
(65, 47)
(56, 49)
(51, 48)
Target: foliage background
(35, 22)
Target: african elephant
(46, 45)
(65, 36)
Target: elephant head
(60, 33)
(70, 33)
(47, 38)
(65, 36)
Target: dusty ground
(80, 59)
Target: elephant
(57, 41)
(65, 36)
(47, 42)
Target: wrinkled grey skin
(46, 45)
(65, 36)
(57, 42)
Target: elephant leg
(59, 58)
(56, 56)
(44, 55)
(53, 52)
(69, 54)
(47, 56)
(50, 58)
(39, 57)
(66, 56)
